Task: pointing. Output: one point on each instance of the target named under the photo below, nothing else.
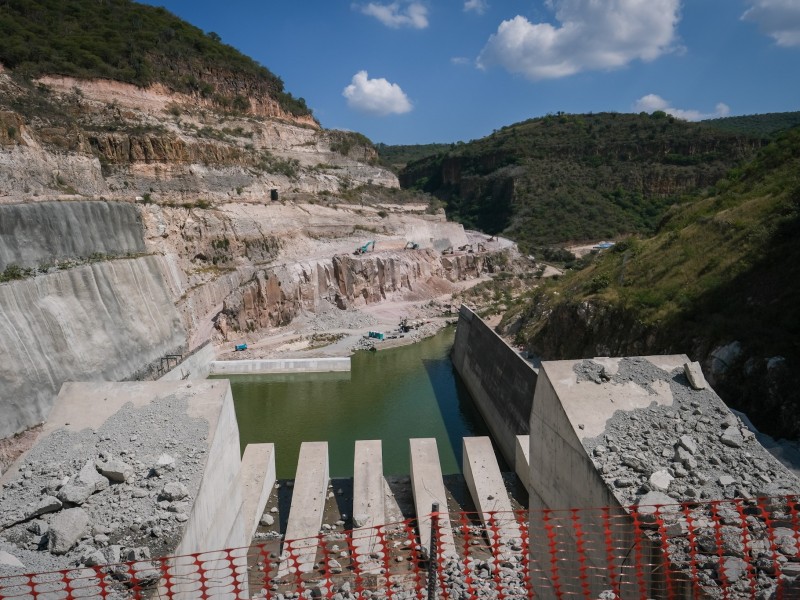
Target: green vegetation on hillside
(567, 178)
(130, 42)
(766, 125)
(724, 267)
(397, 157)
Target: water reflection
(391, 395)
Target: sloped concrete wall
(46, 232)
(105, 321)
(500, 381)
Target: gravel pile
(329, 318)
(101, 497)
(696, 449)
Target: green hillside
(396, 157)
(130, 42)
(721, 269)
(567, 178)
(766, 125)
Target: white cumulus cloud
(591, 35)
(779, 19)
(396, 14)
(460, 60)
(477, 6)
(376, 96)
(652, 102)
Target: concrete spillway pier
(485, 483)
(428, 489)
(258, 479)
(369, 509)
(308, 507)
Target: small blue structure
(240, 347)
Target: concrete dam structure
(617, 433)
(108, 321)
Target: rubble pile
(697, 450)
(120, 493)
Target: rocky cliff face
(274, 297)
(64, 137)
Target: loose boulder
(115, 470)
(66, 529)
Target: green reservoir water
(392, 395)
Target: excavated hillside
(142, 223)
(65, 138)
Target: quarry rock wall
(273, 297)
(110, 320)
(36, 234)
(500, 381)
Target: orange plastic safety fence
(736, 548)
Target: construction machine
(365, 248)
(448, 250)
(411, 246)
(481, 247)
(467, 247)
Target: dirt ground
(13, 447)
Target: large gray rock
(652, 505)
(89, 477)
(9, 560)
(695, 375)
(74, 494)
(660, 480)
(174, 491)
(732, 437)
(47, 504)
(115, 470)
(66, 529)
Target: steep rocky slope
(66, 138)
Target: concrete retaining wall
(563, 475)
(194, 366)
(500, 381)
(106, 321)
(217, 519)
(284, 365)
(46, 232)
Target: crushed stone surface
(158, 447)
(698, 450)
(698, 441)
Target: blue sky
(420, 71)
